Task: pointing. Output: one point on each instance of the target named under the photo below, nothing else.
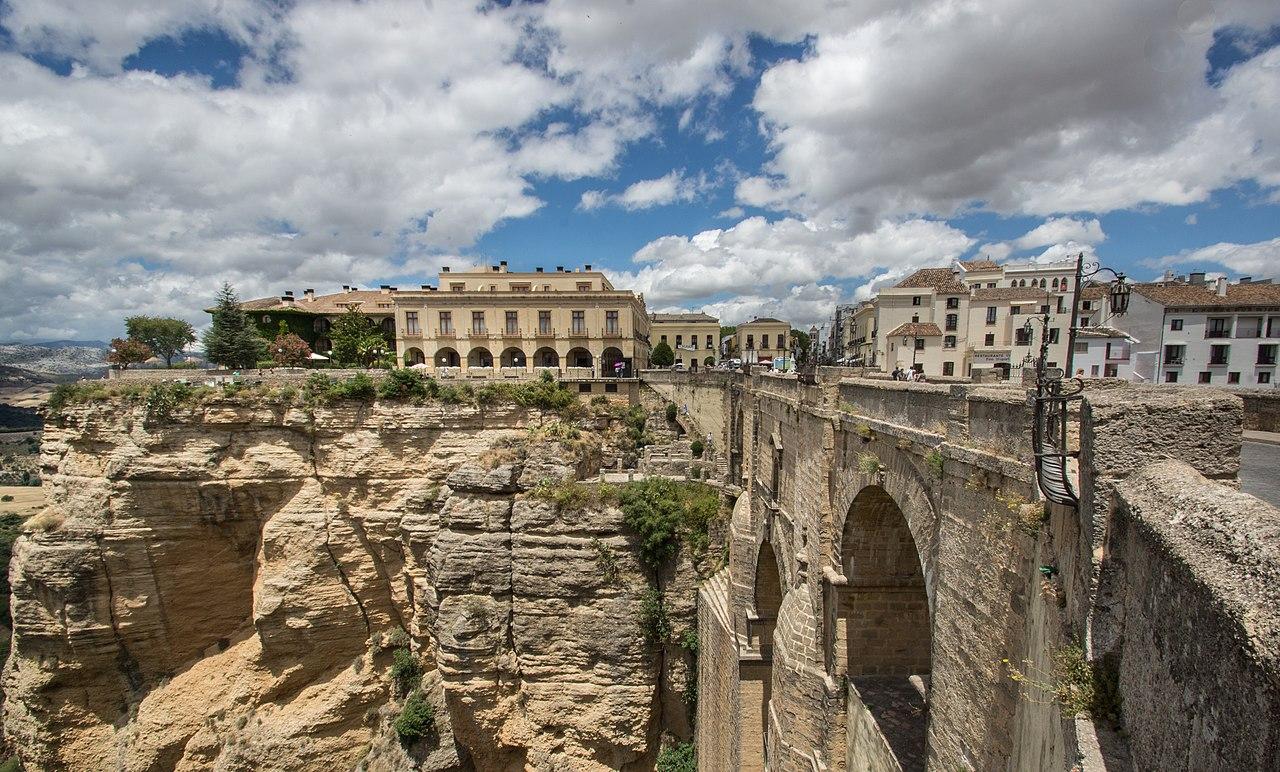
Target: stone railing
(1261, 409)
(921, 405)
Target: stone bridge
(899, 596)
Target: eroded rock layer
(226, 586)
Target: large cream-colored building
(762, 340)
(496, 323)
(694, 338)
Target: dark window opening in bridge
(776, 482)
(882, 637)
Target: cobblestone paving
(900, 714)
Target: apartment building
(693, 337)
(496, 322)
(1104, 352)
(922, 323)
(1205, 332)
(762, 340)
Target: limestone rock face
(227, 588)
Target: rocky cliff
(228, 588)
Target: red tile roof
(916, 330)
(939, 279)
(1190, 295)
(980, 265)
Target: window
(949, 341)
(446, 322)
(1218, 355)
(664, 338)
(1044, 308)
(584, 388)
(948, 368)
(1219, 327)
(411, 322)
(584, 286)
(513, 323)
(611, 388)
(915, 300)
(989, 340)
(477, 323)
(711, 342)
(544, 322)
(611, 322)
(1273, 327)
(579, 322)
(953, 322)
(1249, 327)
(1118, 351)
(1093, 371)
(1021, 337)
(782, 341)
(991, 285)
(953, 302)
(919, 344)
(1086, 305)
(1111, 371)
(1082, 347)
(1206, 377)
(1173, 355)
(1264, 377)
(1015, 310)
(520, 287)
(1064, 285)
(457, 286)
(751, 341)
(1055, 282)
(1171, 376)
(388, 325)
(915, 318)
(1175, 324)
(1233, 377)
(679, 341)
(1053, 334)
(1083, 321)
(991, 314)
(1267, 354)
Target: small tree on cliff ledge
(662, 355)
(127, 351)
(232, 341)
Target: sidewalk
(1271, 438)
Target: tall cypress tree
(232, 341)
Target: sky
(733, 157)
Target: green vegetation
(635, 419)
(232, 341)
(864, 431)
(11, 764)
(288, 349)
(417, 719)
(935, 461)
(10, 528)
(321, 389)
(672, 412)
(571, 496)
(662, 355)
(6, 497)
(654, 622)
(697, 447)
(125, 352)
(164, 336)
(357, 340)
(681, 757)
(661, 511)
(869, 463)
(606, 560)
(405, 670)
(1078, 686)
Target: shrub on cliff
(671, 412)
(696, 447)
(405, 670)
(661, 511)
(654, 622)
(681, 757)
(417, 719)
(404, 384)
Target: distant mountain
(57, 357)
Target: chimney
(289, 293)
(346, 288)
(1197, 278)
(384, 289)
(1245, 279)
(444, 269)
(588, 266)
(426, 286)
(287, 298)
(1168, 275)
(395, 289)
(1221, 287)
(309, 294)
(538, 269)
(503, 265)
(559, 269)
(495, 268)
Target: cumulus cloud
(944, 106)
(1260, 258)
(756, 260)
(671, 188)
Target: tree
(800, 343)
(662, 355)
(357, 340)
(127, 351)
(166, 337)
(288, 350)
(231, 340)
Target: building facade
(311, 316)
(762, 340)
(1195, 331)
(498, 323)
(694, 338)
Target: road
(1260, 471)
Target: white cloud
(671, 188)
(1057, 230)
(1192, 219)
(756, 260)
(732, 213)
(948, 105)
(1260, 259)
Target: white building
(1105, 352)
(1193, 331)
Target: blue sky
(744, 159)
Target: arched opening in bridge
(755, 675)
(883, 636)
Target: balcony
(511, 332)
(578, 332)
(446, 334)
(1217, 334)
(545, 332)
(613, 332)
(1175, 361)
(479, 332)
(1218, 361)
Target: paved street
(1260, 471)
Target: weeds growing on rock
(606, 560)
(417, 719)
(660, 512)
(681, 757)
(869, 464)
(1078, 686)
(654, 623)
(405, 670)
(43, 522)
(935, 461)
